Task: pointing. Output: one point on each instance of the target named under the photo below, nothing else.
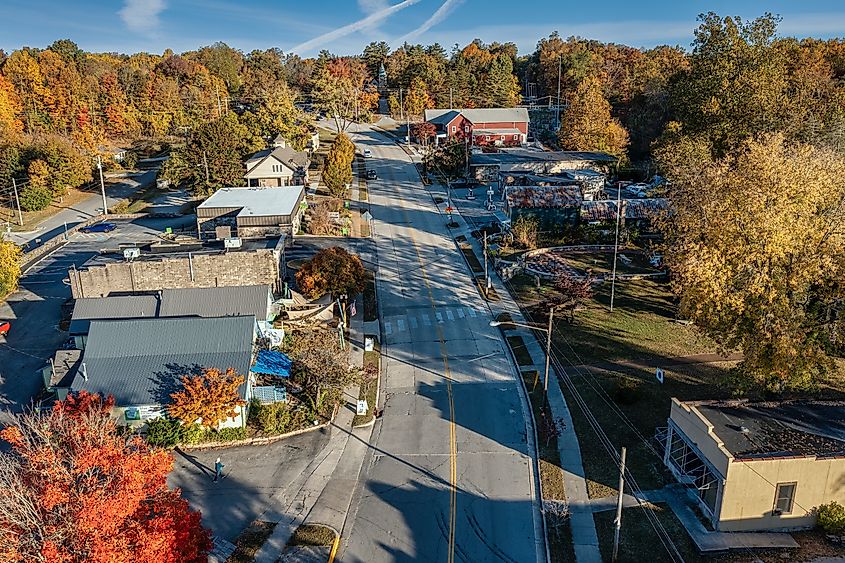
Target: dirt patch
(314, 535)
(250, 541)
(520, 352)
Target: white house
(279, 165)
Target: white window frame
(516, 137)
(466, 128)
(454, 129)
(791, 498)
(486, 137)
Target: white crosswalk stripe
(426, 319)
(413, 322)
(472, 313)
(449, 315)
(439, 316)
(400, 325)
(388, 328)
(461, 313)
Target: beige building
(279, 165)
(758, 466)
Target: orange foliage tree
(74, 489)
(208, 398)
(332, 270)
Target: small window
(466, 128)
(784, 497)
(454, 129)
(516, 137)
(486, 137)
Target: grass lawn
(551, 475)
(313, 535)
(602, 262)
(370, 388)
(637, 537)
(250, 541)
(32, 218)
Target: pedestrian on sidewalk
(218, 470)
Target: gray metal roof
(118, 307)
(187, 302)
(257, 202)
(216, 302)
(522, 155)
(286, 155)
(140, 362)
(479, 115)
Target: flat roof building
(251, 213)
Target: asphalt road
(85, 209)
(448, 476)
(35, 309)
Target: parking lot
(35, 309)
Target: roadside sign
(449, 210)
(363, 407)
(367, 216)
(658, 373)
(352, 310)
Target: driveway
(449, 472)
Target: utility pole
(17, 202)
(102, 186)
(616, 243)
(401, 105)
(557, 110)
(205, 163)
(486, 270)
(617, 523)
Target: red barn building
(483, 126)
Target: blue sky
(345, 26)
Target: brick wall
(201, 270)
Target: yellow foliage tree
(10, 267)
(757, 253)
(208, 398)
(587, 125)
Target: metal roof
(605, 209)
(543, 197)
(478, 115)
(506, 131)
(524, 155)
(286, 155)
(140, 362)
(118, 307)
(257, 202)
(211, 302)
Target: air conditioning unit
(131, 253)
(232, 243)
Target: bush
(193, 434)
(627, 393)
(226, 435)
(271, 419)
(831, 518)
(164, 432)
(120, 207)
(34, 198)
(130, 161)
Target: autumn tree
(10, 266)
(75, 489)
(424, 131)
(757, 253)
(587, 125)
(320, 365)
(571, 292)
(332, 270)
(337, 169)
(526, 230)
(208, 398)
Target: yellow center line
(453, 444)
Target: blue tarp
(270, 362)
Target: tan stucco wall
(265, 170)
(697, 429)
(749, 494)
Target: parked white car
(368, 153)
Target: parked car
(99, 228)
(4, 328)
(368, 153)
(639, 190)
(371, 175)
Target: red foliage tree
(74, 489)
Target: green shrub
(194, 434)
(33, 198)
(627, 393)
(270, 419)
(831, 518)
(120, 207)
(130, 161)
(164, 432)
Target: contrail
(442, 12)
(353, 27)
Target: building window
(516, 137)
(466, 128)
(454, 129)
(784, 497)
(486, 137)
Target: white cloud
(372, 19)
(141, 16)
(441, 14)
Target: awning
(270, 362)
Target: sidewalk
(584, 537)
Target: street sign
(658, 373)
(449, 209)
(367, 216)
(352, 310)
(363, 407)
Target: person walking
(218, 470)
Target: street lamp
(548, 332)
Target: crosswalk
(410, 322)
